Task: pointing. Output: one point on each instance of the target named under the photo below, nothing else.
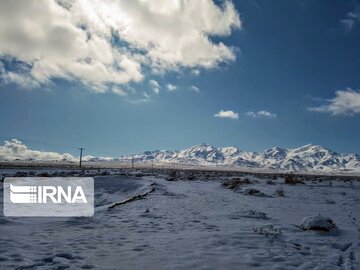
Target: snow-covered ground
(197, 224)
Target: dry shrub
(43, 174)
(291, 180)
(280, 192)
(172, 176)
(254, 192)
(235, 183)
(20, 174)
(104, 173)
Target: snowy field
(194, 221)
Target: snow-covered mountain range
(306, 158)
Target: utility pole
(81, 152)
(152, 167)
(132, 162)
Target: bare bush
(280, 192)
(292, 180)
(254, 192)
(43, 174)
(20, 174)
(235, 183)
(172, 176)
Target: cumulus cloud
(15, 149)
(351, 19)
(119, 91)
(145, 97)
(346, 102)
(170, 87)
(227, 114)
(261, 114)
(196, 72)
(110, 42)
(194, 88)
(155, 86)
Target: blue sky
(291, 58)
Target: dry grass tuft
(236, 182)
(280, 192)
(173, 176)
(291, 180)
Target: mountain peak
(311, 147)
(229, 150)
(202, 146)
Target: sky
(121, 77)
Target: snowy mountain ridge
(306, 158)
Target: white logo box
(48, 196)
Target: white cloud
(194, 88)
(196, 72)
(170, 87)
(351, 19)
(346, 102)
(111, 42)
(266, 114)
(119, 91)
(261, 114)
(155, 86)
(22, 79)
(15, 149)
(251, 114)
(227, 114)
(147, 96)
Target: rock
(318, 223)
